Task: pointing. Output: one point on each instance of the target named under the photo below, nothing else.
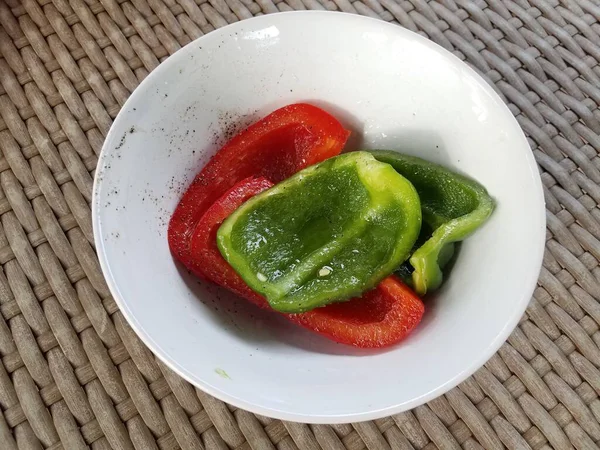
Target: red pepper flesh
(381, 317)
(203, 245)
(276, 147)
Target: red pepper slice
(276, 147)
(381, 317)
(203, 245)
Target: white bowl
(394, 90)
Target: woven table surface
(74, 375)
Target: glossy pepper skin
(453, 207)
(379, 318)
(276, 147)
(328, 233)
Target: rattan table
(73, 374)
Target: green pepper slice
(453, 207)
(327, 234)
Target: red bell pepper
(203, 244)
(379, 318)
(276, 147)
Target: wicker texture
(73, 374)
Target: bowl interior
(393, 90)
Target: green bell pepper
(327, 234)
(453, 207)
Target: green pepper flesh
(453, 206)
(327, 234)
